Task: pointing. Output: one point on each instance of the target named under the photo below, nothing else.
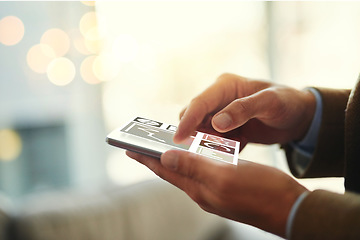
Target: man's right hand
(249, 111)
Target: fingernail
(169, 160)
(222, 121)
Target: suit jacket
(323, 214)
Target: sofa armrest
(6, 210)
(148, 210)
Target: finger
(199, 176)
(213, 98)
(155, 165)
(193, 188)
(152, 163)
(191, 165)
(165, 172)
(182, 113)
(212, 176)
(262, 105)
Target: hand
(249, 111)
(249, 193)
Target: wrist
(291, 202)
(280, 212)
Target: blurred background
(70, 72)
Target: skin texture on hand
(249, 111)
(249, 193)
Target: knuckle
(196, 101)
(274, 98)
(240, 105)
(199, 102)
(226, 77)
(189, 170)
(271, 93)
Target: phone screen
(154, 138)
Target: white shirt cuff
(292, 214)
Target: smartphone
(153, 138)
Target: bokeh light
(94, 46)
(87, 70)
(88, 23)
(39, 57)
(78, 41)
(11, 30)
(93, 33)
(10, 145)
(125, 48)
(89, 30)
(61, 71)
(58, 40)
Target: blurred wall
(51, 120)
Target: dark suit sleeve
(323, 214)
(326, 215)
(328, 158)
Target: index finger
(213, 98)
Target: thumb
(190, 165)
(241, 110)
